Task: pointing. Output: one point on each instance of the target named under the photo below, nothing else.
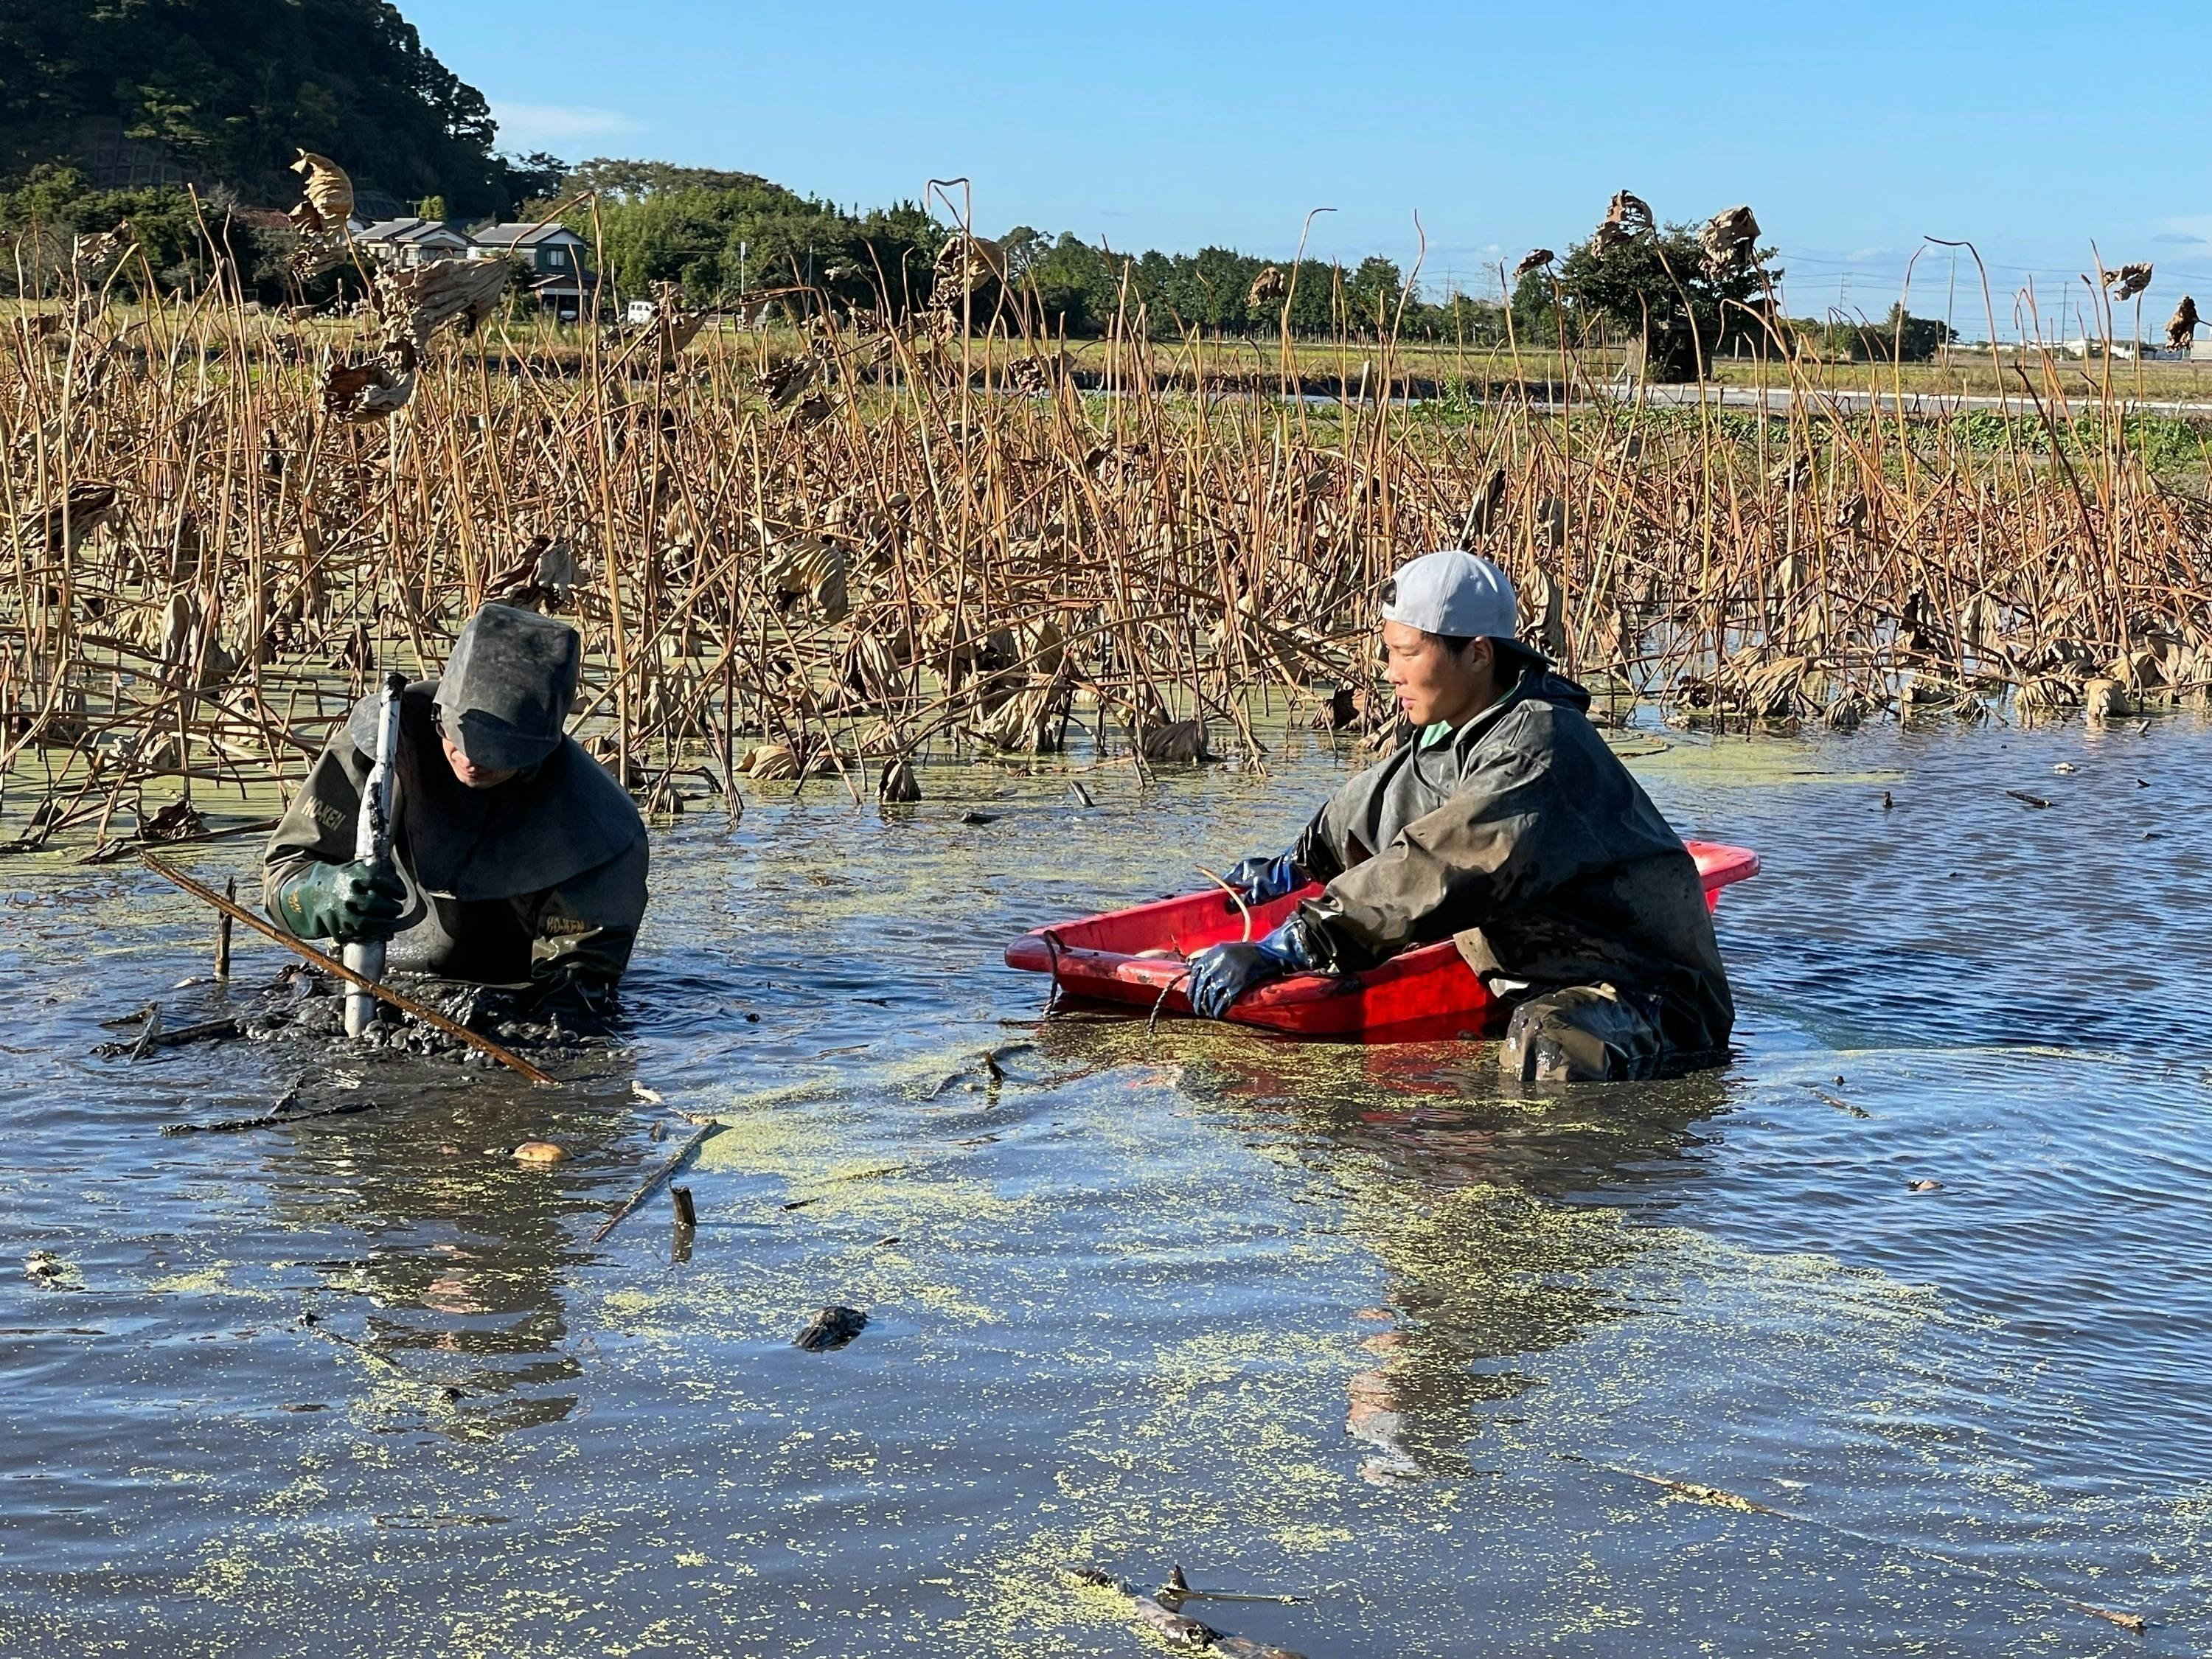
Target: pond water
(1367, 1327)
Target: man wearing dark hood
(518, 861)
(1505, 823)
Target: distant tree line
(1077, 288)
(1898, 338)
(43, 212)
(718, 236)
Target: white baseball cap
(1455, 594)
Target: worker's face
(475, 777)
(1434, 682)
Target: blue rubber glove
(1260, 879)
(1223, 973)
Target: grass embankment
(1435, 366)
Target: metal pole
(372, 845)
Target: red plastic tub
(1420, 995)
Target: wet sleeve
(1316, 849)
(1331, 843)
(585, 927)
(1504, 839)
(318, 828)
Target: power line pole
(1950, 302)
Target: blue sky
(1852, 131)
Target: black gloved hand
(1261, 879)
(1221, 975)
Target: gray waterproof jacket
(1522, 836)
(540, 879)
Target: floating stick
(645, 1188)
(223, 931)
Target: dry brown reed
(824, 553)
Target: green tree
(52, 205)
(1655, 291)
(631, 181)
(1074, 287)
(1900, 337)
(235, 87)
(1465, 319)
(718, 234)
(532, 179)
(1370, 294)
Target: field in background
(824, 551)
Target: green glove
(349, 903)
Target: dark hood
(505, 695)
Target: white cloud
(532, 126)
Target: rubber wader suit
(540, 878)
(1522, 836)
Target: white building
(2086, 348)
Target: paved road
(1926, 405)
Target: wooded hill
(233, 88)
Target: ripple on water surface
(1362, 1326)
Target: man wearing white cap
(1507, 823)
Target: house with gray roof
(414, 242)
(561, 279)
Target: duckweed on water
(1368, 1326)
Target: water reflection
(459, 1295)
(1492, 1211)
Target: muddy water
(1363, 1326)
